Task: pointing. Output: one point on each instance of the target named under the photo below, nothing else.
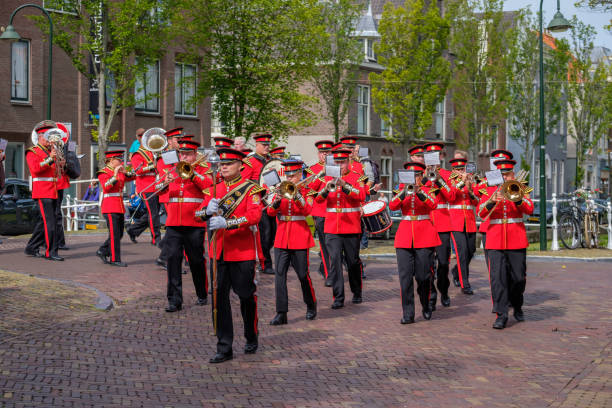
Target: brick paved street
(137, 355)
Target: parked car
(535, 217)
(18, 211)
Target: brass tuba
(154, 140)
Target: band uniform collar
(235, 180)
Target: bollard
(609, 225)
(75, 219)
(555, 226)
(68, 214)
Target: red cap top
(458, 162)
(341, 154)
(505, 165)
(278, 150)
(227, 154)
(221, 141)
(337, 146)
(291, 166)
(176, 132)
(416, 150)
(501, 154)
(41, 130)
(114, 154)
(188, 137)
(324, 145)
(414, 166)
(186, 145)
(433, 147)
(349, 140)
(264, 138)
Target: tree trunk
(102, 133)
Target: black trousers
(44, 230)
(464, 244)
(59, 220)
(298, 258)
(163, 254)
(112, 246)
(414, 263)
(267, 233)
(149, 220)
(238, 276)
(320, 227)
(484, 246)
(508, 275)
(349, 244)
(441, 269)
(191, 241)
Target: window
(363, 109)
(217, 126)
(439, 118)
(20, 70)
(147, 89)
(184, 89)
(561, 177)
(13, 163)
(493, 137)
(555, 179)
(386, 170)
(62, 6)
(385, 128)
(367, 45)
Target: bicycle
(578, 226)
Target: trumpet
(308, 179)
(432, 173)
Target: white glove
(213, 207)
(216, 223)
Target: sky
(595, 18)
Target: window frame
(360, 104)
(77, 4)
(28, 98)
(182, 112)
(382, 172)
(144, 109)
(19, 147)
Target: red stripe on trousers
(42, 214)
(457, 259)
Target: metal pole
(50, 49)
(555, 226)
(542, 144)
(609, 225)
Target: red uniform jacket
(239, 243)
(416, 229)
(143, 162)
(292, 231)
(42, 169)
(506, 229)
(252, 166)
(112, 197)
(462, 211)
(319, 209)
(343, 212)
(187, 196)
(161, 167)
(357, 167)
(440, 216)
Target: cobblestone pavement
(137, 355)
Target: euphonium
(287, 190)
(513, 190)
(184, 170)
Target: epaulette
(312, 193)
(483, 191)
(206, 191)
(100, 172)
(310, 172)
(396, 191)
(31, 149)
(247, 162)
(363, 178)
(256, 189)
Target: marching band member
(42, 164)
(236, 248)
(184, 232)
(63, 182)
(415, 241)
(463, 224)
(506, 246)
(144, 163)
(440, 217)
(292, 243)
(343, 197)
(319, 209)
(112, 179)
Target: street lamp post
(558, 24)
(12, 35)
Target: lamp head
(558, 24)
(10, 34)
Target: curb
(104, 302)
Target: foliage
(524, 90)
(479, 41)
(253, 56)
(416, 75)
(340, 55)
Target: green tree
(253, 56)
(340, 56)
(589, 95)
(523, 86)
(479, 80)
(112, 43)
(416, 75)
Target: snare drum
(375, 217)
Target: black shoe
(427, 314)
(173, 308)
(132, 236)
(268, 271)
(337, 304)
(519, 315)
(54, 258)
(101, 256)
(119, 263)
(221, 357)
(63, 248)
(500, 322)
(432, 305)
(445, 300)
(250, 348)
(467, 291)
(35, 254)
(161, 263)
(280, 318)
(201, 301)
(357, 299)
(456, 282)
(328, 283)
(311, 312)
(406, 320)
